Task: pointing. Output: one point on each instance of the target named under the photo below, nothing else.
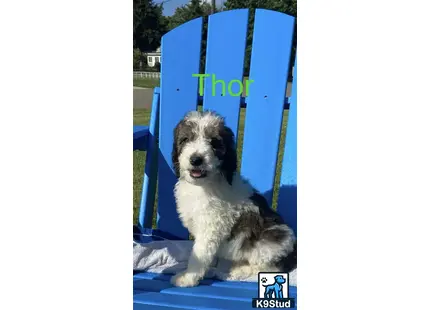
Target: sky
(171, 5)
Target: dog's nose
(196, 160)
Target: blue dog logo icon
(274, 290)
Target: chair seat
(154, 291)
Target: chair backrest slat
(287, 200)
(151, 166)
(271, 49)
(180, 58)
(225, 53)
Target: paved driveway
(142, 97)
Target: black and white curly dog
(226, 216)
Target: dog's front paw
(239, 273)
(184, 279)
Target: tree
(284, 6)
(138, 61)
(185, 13)
(149, 25)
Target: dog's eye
(183, 140)
(216, 143)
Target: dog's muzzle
(197, 173)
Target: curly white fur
(211, 206)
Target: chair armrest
(140, 138)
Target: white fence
(147, 75)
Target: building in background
(153, 57)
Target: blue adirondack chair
(265, 104)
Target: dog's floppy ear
(175, 151)
(229, 163)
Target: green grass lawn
(145, 82)
(141, 117)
